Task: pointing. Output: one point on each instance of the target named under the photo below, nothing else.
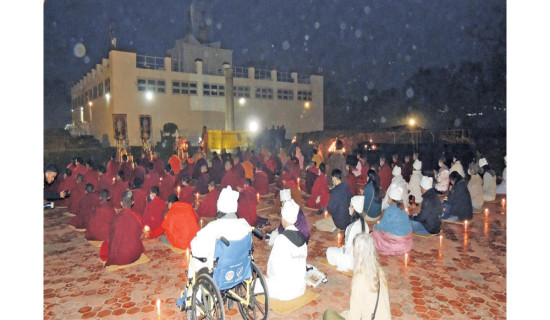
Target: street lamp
(307, 105)
(242, 101)
(412, 122)
(149, 95)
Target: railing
(284, 77)
(240, 72)
(262, 74)
(150, 62)
(304, 79)
(180, 66)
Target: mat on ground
(286, 307)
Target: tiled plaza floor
(461, 276)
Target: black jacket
(459, 201)
(338, 205)
(430, 212)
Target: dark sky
(359, 45)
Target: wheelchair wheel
(206, 300)
(255, 310)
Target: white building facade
(132, 96)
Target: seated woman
(414, 182)
(373, 197)
(442, 177)
(475, 186)
(458, 206)
(393, 235)
(342, 257)
(489, 181)
(369, 287)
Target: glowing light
(107, 96)
(332, 147)
(146, 228)
(197, 194)
(179, 189)
(113, 180)
(440, 240)
(253, 126)
(149, 95)
(294, 139)
(465, 225)
(90, 103)
(258, 196)
(486, 211)
(412, 122)
(406, 259)
(370, 140)
(158, 307)
(202, 223)
(242, 101)
(373, 147)
(307, 105)
(338, 239)
(326, 213)
(503, 202)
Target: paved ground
(461, 276)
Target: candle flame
(406, 259)
(146, 228)
(440, 240)
(158, 305)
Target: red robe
(112, 168)
(261, 184)
(158, 165)
(77, 193)
(151, 179)
(154, 213)
(86, 209)
(239, 170)
(67, 184)
(209, 205)
(116, 192)
(99, 225)
(385, 177)
(166, 186)
(295, 170)
(126, 167)
(92, 177)
(286, 176)
(104, 183)
(247, 204)
(202, 184)
(80, 169)
(140, 200)
(139, 172)
(320, 188)
(175, 164)
(217, 171)
(187, 194)
(311, 176)
(197, 168)
(181, 225)
(351, 181)
(362, 178)
(124, 243)
(231, 178)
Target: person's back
(460, 202)
(311, 175)
(99, 225)
(338, 205)
(431, 211)
(247, 205)
(414, 186)
(336, 161)
(207, 208)
(153, 214)
(489, 186)
(371, 208)
(261, 183)
(475, 187)
(86, 208)
(125, 244)
(385, 177)
(181, 225)
(320, 194)
(351, 181)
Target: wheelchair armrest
(258, 233)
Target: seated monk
(167, 183)
(126, 167)
(270, 167)
(285, 176)
(80, 168)
(104, 183)
(248, 201)
(208, 207)
(393, 235)
(118, 189)
(248, 169)
(154, 209)
(320, 194)
(175, 163)
(77, 193)
(112, 167)
(91, 175)
(351, 180)
(140, 197)
(139, 170)
(261, 183)
(124, 245)
(217, 170)
(202, 182)
(180, 224)
(86, 208)
(186, 193)
(238, 167)
(199, 162)
(312, 172)
(99, 225)
(68, 183)
(152, 178)
(231, 177)
(295, 168)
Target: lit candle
(146, 228)
(326, 213)
(202, 222)
(299, 184)
(503, 202)
(406, 259)
(158, 308)
(258, 196)
(197, 194)
(338, 239)
(113, 180)
(465, 225)
(486, 211)
(179, 189)
(440, 240)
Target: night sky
(358, 45)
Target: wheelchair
(233, 278)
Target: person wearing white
(286, 266)
(442, 177)
(414, 183)
(226, 224)
(489, 180)
(342, 257)
(475, 186)
(501, 188)
(457, 166)
(397, 181)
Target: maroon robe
(86, 208)
(362, 178)
(125, 244)
(247, 204)
(154, 213)
(112, 168)
(231, 178)
(351, 181)
(80, 169)
(261, 184)
(217, 171)
(151, 179)
(67, 184)
(187, 195)
(166, 186)
(295, 170)
(202, 183)
(92, 177)
(158, 165)
(104, 183)
(385, 177)
(209, 205)
(77, 193)
(286, 176)
(197, 168)
(140, 201)
(320, 188)
(116, 192)
(311, 175)
(238, 169)
(139, 172)
(99, 225)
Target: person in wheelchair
(226, 225)
(286, 267)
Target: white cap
(357, 203)
(285, 194)
(396, 171)
(395, 192)
(417, 165)
(227, 201)
(290, 211)
(482, 162)
(426, 182)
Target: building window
(304, 95)
(182, 87)
(285, 94)
(95, 92)
(107, 85)
(264, 93)
(216, 90)
(100, 90)
(241, 92)
(151, 85)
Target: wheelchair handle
(225, 241)
(258, 233)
